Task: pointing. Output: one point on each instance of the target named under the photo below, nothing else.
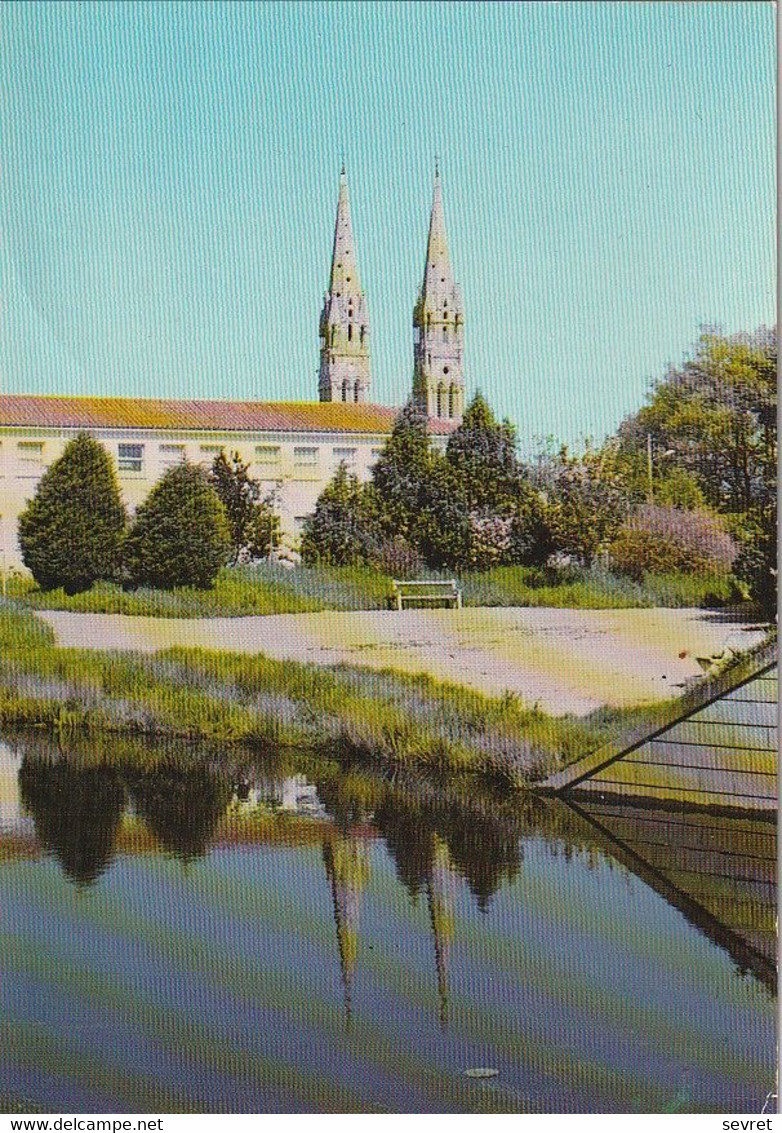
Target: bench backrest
(400, 583)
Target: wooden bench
(444, 591)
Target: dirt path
(563, 660)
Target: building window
(211, 450)
(267, 454)
(377, 452)
(31, 454)
(305, 457)
(346, 454)
(172, 455)
(298, 524)
(130, 458)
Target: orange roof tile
(36, 411)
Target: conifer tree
(337, 533)
(180, 535)
(254, 526)
(70, 531)
(401, 472)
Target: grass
(269, 588)
(390, 718)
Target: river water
(203, 931)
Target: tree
(757, 561)
(586, 500)
(401, 472)
(180, 535)
(255, 529)
(338, 532)
(483, 452)
(716, 417)
(70, 531)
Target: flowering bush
(662, 540)
(490, 540)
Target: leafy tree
(338, 532)
(757, 561)
(70, 531)
(586, 500)
(255, 529)
(531, 538)
(716, 415)
(180, 535)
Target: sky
(170, 179)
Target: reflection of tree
(347, 868)
(76, 811)
(488, 854)
(181, 805)
(410, 840)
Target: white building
(293, 448)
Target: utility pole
(649, 465)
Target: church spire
(344, 269)
(344, 320)
(437, 269)
(438, 321)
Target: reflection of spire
(347, 869)
(441, 919)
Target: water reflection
(181, 805)
(77, 813)
(469, 863)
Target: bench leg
(459, 600)
(399, 601)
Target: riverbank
(390, 718)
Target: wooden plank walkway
(721, 753)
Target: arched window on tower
(345, 390)
(453, 401)
(441, 400)
(357, 392)
(350, 332)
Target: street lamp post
(649, 468)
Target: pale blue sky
(170, 179)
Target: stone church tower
(344, 320)
(438, 322)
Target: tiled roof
(35, 411)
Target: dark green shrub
(180, 536)
(337, 533)
(70, 531)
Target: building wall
(294, 466)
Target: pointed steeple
(438, 321)
(344, 268)
(438, 274)
(344, 320)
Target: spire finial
(342, 165)
(436, 166)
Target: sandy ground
(566, 661)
